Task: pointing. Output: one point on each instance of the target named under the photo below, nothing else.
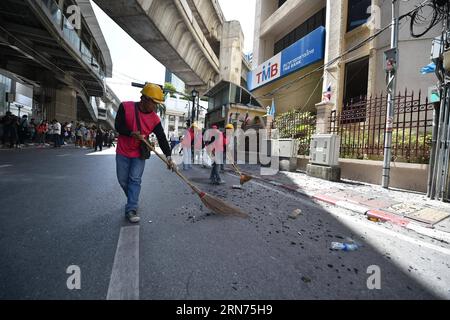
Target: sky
(131, 63)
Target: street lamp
(194, 94)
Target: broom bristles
(245, 178)
(221, 207)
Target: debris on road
(238, 187)
(373, 219)
(339, 246)
(150, 221)
(295, 214)
(306, 279)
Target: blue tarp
(428, 69)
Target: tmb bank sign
(303, 53)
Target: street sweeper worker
(215, 150)
(135, 121)
(227, 135)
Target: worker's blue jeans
(129, 174)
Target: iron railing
(361, 126)
(297, 125)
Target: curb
(389, 217)
(381, 215)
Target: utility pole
(392, 65)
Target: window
(357, 13)
(355, 89)
(281, 2)
(314, 22)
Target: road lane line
(364, 223)
(5, 166)
(124, 282)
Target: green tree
(170, 88)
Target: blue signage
(301, 54)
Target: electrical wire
(440, 12)
(437, 5)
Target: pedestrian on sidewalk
(99, 139)
(41, 132)
(56, 134)
(10, 129)
(23, 130)
(135, 121)
(32, 130)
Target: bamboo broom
(214, 204)
(243, 177)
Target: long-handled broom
(214, 204)
(243, 177)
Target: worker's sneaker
(132, 216)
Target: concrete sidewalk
(407, 209)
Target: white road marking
(124, 282)
(104, 152)
(352, 221)
(5, 166)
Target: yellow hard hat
(154, 92)
(229, 126)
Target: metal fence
(297, 125)
(361, 126)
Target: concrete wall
(403, 175)
(273, 23)
(406, 176)
(339, 40)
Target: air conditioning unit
(288, 148)
(325, 149)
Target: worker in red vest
(135, 121)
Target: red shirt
(129, 146)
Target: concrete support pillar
(65, 105)
(177, 120)
(323, 117)
(335, 44)
(231, 48)
(166, 124)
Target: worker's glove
(171, 165)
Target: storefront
(293, 70)
(229, 103)
(15, 96)
(5, 87)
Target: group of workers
(213, 141)
(135, 121)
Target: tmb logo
(269, 72)
(266, 72)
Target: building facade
(283, 25)
(55, 56)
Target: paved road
(64, 207)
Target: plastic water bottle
(344, 246)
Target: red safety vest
(129, 146)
